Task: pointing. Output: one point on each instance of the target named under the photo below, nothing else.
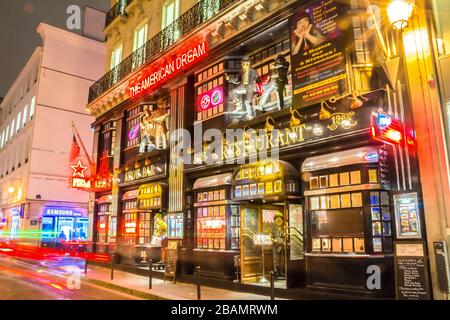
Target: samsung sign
(61, 212)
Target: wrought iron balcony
(117, 10)
(203, 11)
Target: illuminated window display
(149, 205)
(130, 217)
(337, 217)
(104, 213)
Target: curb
(132, 292)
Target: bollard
(150, 276)
(197, 278)
(112, 266)
(85, 266)
(272, 285)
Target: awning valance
(213, 181)
(367, 154)
(130, 195)
(105, 199)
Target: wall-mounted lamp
(399, 12)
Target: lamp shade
(399, 12)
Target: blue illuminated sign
(61, 212)
(384, 120)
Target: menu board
(171, 259)
(411, 272)
(318, 54)
(407, 216)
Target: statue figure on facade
(247, 85)
(278, 83)
(154, 128)
(278, 240)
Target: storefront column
(115, 192)
(429, 128)
(91, 203)
(176, 165)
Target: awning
(105, 199)
(343, 158)
(130, 195)
(213, 181)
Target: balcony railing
(203, 11)
(117, 10)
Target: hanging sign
(165, 68)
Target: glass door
(251, 266)
(82, 228)
(65, 228)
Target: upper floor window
(7, 134)
(171, 10)
(32, 107)
(140, 36)
(2, 139)
(12, 129)
(116, 57)
(25, 114)
(18, 121)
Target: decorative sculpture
(154, 128)
(247, 85)
(278, 239)
(278, 82)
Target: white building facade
(49, 94)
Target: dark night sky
(18, 36)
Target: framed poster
(407, 217)
(318, 53)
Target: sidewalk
(138, 286)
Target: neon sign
(210, 99)
(165, 68)
(386, 128)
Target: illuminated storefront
(343, 181)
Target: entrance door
(256, 219)
(65, 225)
(251, 267)
(82, 227)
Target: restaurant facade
(263, 136)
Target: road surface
(26, 279)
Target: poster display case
(348, 215)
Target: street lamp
(399, 12)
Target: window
(140, 38)
(12, 129)
(3, 139)
(24, 119)
(116, 59)
(441, 8)
(170, 14)
(18, 121)
(32, 107)
(210, 8)
(7, 134)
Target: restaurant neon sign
(167, 67)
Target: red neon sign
(386, 128)
(165, 68)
